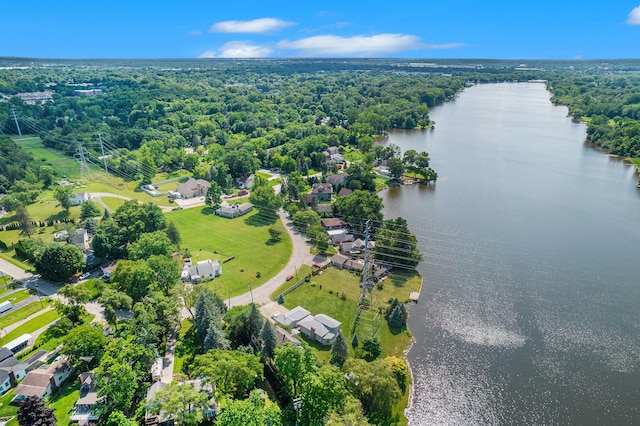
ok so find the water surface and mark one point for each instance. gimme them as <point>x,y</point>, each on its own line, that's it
<point>530,309</point>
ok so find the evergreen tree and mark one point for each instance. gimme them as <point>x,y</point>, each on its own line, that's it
<point>256,320</point>
<point>33,412</point>
<point>397,320</point>
<point>339,350</point>
<point>215,338</point>
<point>173,234</point>
<point>106,214</point>
<point>269,340</point>
<point>24,221</point>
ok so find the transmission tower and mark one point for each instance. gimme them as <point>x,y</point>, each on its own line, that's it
<point>81,156</point>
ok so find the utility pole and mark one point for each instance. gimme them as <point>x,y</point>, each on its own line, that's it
<point>366,271</point>
<point>15,118</point>
<point>80,155</point>
<point>104,159</point>
<point>251,291</point>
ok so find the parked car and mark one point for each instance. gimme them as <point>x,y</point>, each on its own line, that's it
<point>316,265</point>
<point>85,275</point>
<point>289,277</point>
<point>177,208</point>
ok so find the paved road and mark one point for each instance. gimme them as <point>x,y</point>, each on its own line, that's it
<point>300,256</point>
<point>13,270</point>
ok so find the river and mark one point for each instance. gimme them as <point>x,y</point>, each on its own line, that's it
<point>530,309</point>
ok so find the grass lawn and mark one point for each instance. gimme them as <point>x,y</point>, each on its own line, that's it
<point>62,401</point>
<point>30,326</point>
<point>381,183</point>
<point>635,161</point>
<point>16,296</point>
<point>255,257</point>
<point>326,297</point>
<point>112,202</point>
<point>61,163</point>
<point>23,313</point>
<point>8,410</point>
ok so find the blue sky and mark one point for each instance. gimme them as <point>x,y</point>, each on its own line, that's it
<point>545,29</point>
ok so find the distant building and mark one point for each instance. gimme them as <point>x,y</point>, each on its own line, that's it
<point>78,198</point>
<point>88,92</point>
<point>33,98</point>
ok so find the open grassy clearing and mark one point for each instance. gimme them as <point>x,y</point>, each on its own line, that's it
<point>31,326</point>
<point>61,163</point>
<point>23,313</point>
<point>635,161</point>
<point>255,257</point>
<point>16,296</point>
<point>113,203</point>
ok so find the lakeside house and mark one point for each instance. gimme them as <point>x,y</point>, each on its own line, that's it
<point>321,328</point>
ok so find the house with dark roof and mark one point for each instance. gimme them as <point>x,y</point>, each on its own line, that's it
<point>80,238</point>
<point>193,188</point>
<point>322,191</point>
<point>324,209</point>
<point>338,239</point>
<point>5,382</point>
<point>355,246</point>
<point>341,261</point>
<point>333,223</point>
<point>85,409</point>
<point>338,179</point>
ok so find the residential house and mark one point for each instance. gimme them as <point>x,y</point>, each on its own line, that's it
<point>45,380</point>
<point>339,239</point>
<point>338,179</point>
<point>234,210</point>
<point>292,317</point>
<point>16,369</point>
<point>341,261</point>
<point>193,188</point>
<point>155,419</point>
<point>333,223</point>
<point>337,159</point>
<point>85,409</point>
<point>5,382</point>
<point>78,198</point>
<point>332,150</point>
<point>80,238</point>
<point>283,336</point>
<point>245,182</point>
<point>322,191</point>
<point>205,269</point>
<point>321,328</point>
<point>355,247</point>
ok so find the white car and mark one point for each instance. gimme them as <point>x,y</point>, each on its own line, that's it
<point>85,275</point>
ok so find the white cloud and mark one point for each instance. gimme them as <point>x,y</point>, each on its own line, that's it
<point>257,26</point>
<point>634,16</point>
<point>195,32</point>
<point>327,45</point>
<point>238,49</point>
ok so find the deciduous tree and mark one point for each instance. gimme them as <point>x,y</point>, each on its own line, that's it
<point>33,412</point>
<point>233,373</point>
<point>182,403</point>
<point>61,194</point>
<point>59,262</point>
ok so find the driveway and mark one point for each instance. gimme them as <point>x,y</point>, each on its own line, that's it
<point>301,255</point>
<point>14,271</point>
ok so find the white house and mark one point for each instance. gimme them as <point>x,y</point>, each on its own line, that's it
<point>42,382</point>
<point>78,198</point>
<point>245,182</point>
<point>292,317</point>
<point>204,269</point>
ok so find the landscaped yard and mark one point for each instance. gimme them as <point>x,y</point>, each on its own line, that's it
<point>15,297</point>
<point>22,313</point>
<point>185,346</point>
<point>62,402</point>
<point>30,326</point>
<point>323,294</point>
<point>245,242</point>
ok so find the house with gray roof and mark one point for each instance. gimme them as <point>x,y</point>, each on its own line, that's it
<point>78,198</point>
<point>85,409</point>
<point>44,381</point>
<point>338,179</point>
<point>292,317</point>
<point>321,328</point>
<point>193,188</point>
<point>205,269</point>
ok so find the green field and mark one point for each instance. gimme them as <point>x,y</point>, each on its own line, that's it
<point>23,313</point>
<point>62,401</point>
<point>61,163</point>
<point>255,257</point>
<point>31,326</point>
<point>635,161</point>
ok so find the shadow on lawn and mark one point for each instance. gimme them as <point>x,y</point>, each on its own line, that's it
<point>208,211</point>
<point>261,219</point>
<point>58,216</point>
